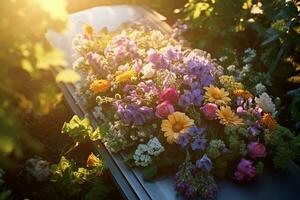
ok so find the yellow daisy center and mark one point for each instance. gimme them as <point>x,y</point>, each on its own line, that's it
<point>177,127</point>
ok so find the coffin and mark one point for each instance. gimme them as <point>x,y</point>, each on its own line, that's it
<point>284,184</point>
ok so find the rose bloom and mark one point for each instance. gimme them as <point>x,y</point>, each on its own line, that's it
<point>209,110</point>
<point>170,95</point>
<point>164,109</point>
<point>256,150</point>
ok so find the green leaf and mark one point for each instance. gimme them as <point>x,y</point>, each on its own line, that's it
<point>149,172</point>
<point>67,76</point>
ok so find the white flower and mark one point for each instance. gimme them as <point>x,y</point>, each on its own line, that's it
<point>265,103</point>
<point>231,68</point>
<point>260,88</point>
<point>148,71</point>
<point>142,155</point>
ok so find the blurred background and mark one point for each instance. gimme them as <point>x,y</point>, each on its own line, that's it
<point>32,109</point>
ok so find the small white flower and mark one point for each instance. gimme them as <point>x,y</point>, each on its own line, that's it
<point>265,103</point>
<point>231,68</point>
<point>148,71</point>
<point>260,88</point>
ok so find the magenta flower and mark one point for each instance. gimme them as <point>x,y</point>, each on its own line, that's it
<point>164,109</point>
<point>171,95</point>
<point>209,110</point>
<point>245,170</point>
<point>256,150</point>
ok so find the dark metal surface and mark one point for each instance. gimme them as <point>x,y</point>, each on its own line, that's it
<point>273,186</point>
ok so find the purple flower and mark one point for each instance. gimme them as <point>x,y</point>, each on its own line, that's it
<point>254,129</point>
<point>132,113</point>
<point>195,131</point>
<point>199,144</point>
<point>157,58</point>
<point>239,100</point>
<point>204,163</point>
<point>245,170</point>
<point>173,53</point>
<point>188,80</point>
<point>183,140</point>
<point>191,97</point>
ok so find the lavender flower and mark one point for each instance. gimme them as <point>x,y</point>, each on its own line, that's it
<point>157,58</point>
<point>195,131</point>
<point>199,144</point>
<point>204,163</point>
<point>191,97</point>
<point>132,113</point>
<point>183,140</point>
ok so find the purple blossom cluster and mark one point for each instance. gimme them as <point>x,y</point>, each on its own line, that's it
<point>190,182</point>
<point>132,113</point>
<point>122,48</point>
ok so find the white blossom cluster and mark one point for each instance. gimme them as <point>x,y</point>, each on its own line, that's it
<point>265,102</point>
<point>250,54</point>
<point>260,88</point>
<point>144,152</point>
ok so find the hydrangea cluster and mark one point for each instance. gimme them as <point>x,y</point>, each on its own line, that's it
<point>141,85</point>
<point>144,152</point>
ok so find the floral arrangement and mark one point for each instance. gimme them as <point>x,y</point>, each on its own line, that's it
<point>166,104</point>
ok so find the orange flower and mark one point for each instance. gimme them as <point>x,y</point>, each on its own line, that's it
<point>268,121</point>
<point>243,93</point>
<point>93,161</point>
<point>88,30</point>
<point>100,86</point>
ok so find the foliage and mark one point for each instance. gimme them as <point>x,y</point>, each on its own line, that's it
<point>4,194</point>
<point>80,130</point>
<point>69,181</point>
<point>226,28</point>
<point>284,146</point>
<point>27,88</point>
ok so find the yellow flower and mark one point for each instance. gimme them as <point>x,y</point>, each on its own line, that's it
<point>88,30</point>
<point>100,86</point>
<point>125,76</point>
<point>228,117</point>
<point>176,125</point>
<point>268,121</point>
<point>243,93</point>
<point>216,95</point>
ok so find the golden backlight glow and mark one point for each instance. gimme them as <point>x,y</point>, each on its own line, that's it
<point>56,8</point>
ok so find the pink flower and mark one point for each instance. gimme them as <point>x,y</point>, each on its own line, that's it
<point>256,150</point>
<point>209,110</point>
<point>164,109</point>
<point>170,95</point>
<point>245,170</point>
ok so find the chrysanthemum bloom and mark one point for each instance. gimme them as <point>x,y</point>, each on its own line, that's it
<point>216,95</point>
<point>125,76</point>
<point>88,30</point>
<point>243,93</point>
<point>268,121</point>
<point>228,117</point>
<point>99,86</point>
<point>176,125</point>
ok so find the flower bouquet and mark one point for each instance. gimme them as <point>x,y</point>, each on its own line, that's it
<point>167,105</point>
